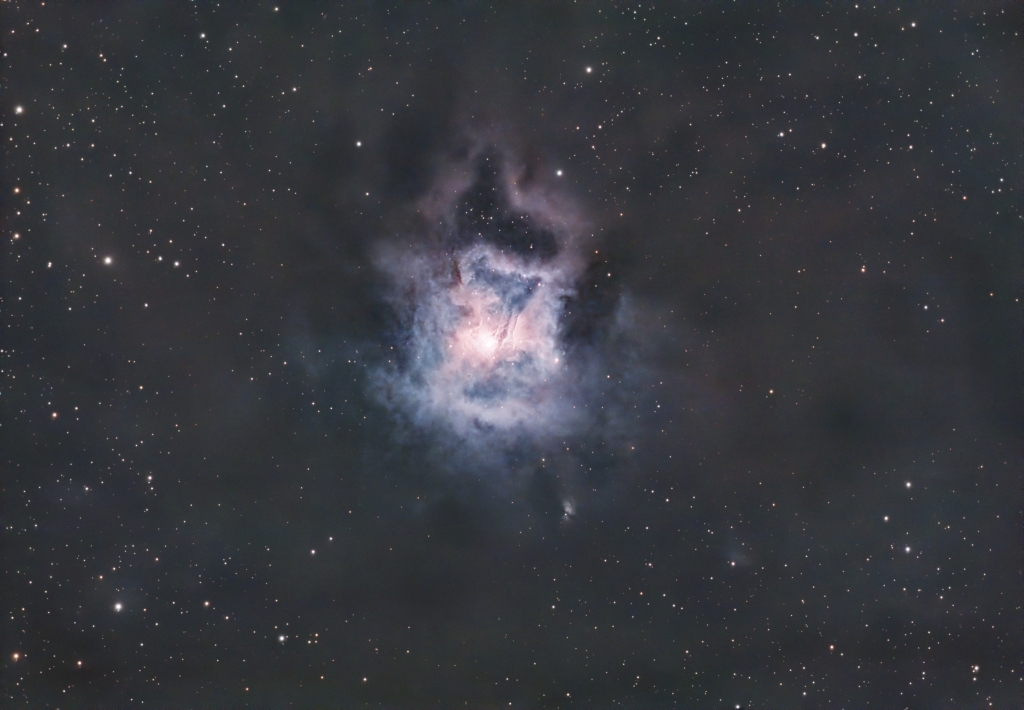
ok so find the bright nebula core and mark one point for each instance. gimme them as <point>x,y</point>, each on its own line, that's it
<point>488,336</point>
<point>501,342</point>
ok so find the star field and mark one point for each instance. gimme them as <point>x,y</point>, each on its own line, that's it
<point>591,355</point>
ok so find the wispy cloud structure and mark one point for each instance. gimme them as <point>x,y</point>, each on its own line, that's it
<point>487,338</point>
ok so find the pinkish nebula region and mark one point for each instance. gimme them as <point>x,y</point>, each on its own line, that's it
<point>495,327</point>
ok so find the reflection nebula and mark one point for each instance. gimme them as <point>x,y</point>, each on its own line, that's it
<point>483,339</point>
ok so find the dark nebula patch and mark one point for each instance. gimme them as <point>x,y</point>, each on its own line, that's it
<point>484,214</point>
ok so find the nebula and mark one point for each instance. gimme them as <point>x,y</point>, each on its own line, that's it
<point>487,341</point>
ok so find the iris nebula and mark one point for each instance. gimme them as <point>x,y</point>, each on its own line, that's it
<point>488,305</point>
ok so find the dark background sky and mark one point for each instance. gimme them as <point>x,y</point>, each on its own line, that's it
<point>812,495</point>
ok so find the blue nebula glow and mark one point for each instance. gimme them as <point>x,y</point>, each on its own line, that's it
<point>499,318</point>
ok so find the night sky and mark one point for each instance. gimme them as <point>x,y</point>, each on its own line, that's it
<point>517,356</point>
